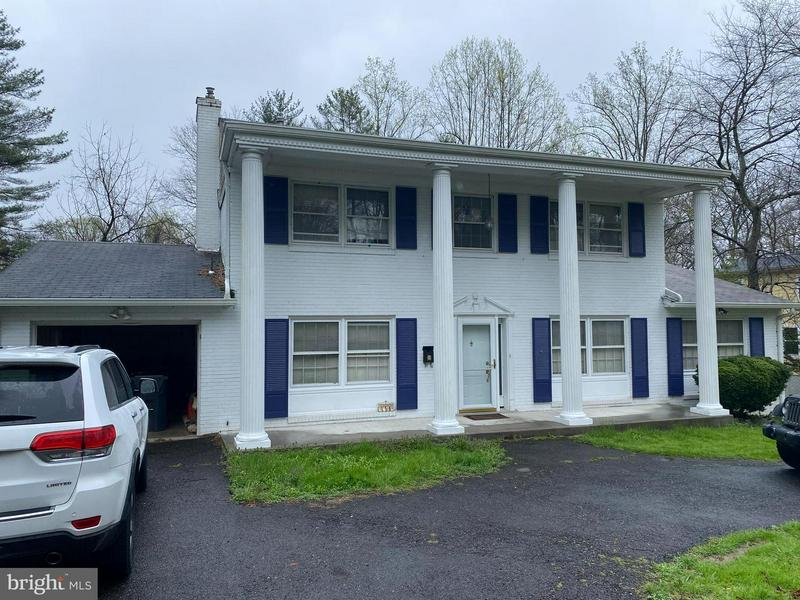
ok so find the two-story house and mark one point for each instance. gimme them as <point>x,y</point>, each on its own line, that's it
<point>345,277</point>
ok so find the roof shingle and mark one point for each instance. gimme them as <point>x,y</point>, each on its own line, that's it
<point>682,281</point>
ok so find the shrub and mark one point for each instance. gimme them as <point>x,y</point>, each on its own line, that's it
<point>749,384</point>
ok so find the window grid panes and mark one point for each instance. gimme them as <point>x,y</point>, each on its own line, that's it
<point>367,351</point>
<point>608,347</point>
<point>730,341</point>
<point>367,216</point>
<point>315,356</point>
<point>554,226</point>
<point>315,213</point>
<point>472,222</point>
<point>555,331</point>
<point>605,228</point>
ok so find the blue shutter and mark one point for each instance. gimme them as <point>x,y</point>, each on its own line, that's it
<point>507,222</point>
<point>405,199</point>
<point>674,356</point>
<point>640,378</point>
<point>756,336</point>
<point>276,210</point>
<point>540,227</point>
<point>276,368</point>
<point>406,344</point>
<point>542,371</point>
<point>636,241</point>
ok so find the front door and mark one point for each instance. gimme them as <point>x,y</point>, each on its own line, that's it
<point>477,366</point>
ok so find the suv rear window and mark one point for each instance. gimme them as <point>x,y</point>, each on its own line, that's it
<point>40,393</point>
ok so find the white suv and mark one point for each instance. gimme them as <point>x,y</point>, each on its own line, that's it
<point>73,436</point>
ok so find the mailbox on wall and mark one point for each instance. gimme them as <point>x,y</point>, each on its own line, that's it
<point>427,355</point>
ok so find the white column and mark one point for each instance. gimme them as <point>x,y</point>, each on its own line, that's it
<point>251,306</point>
<point>706,309</point>
<point>570,313</point>
<point>445,399</point>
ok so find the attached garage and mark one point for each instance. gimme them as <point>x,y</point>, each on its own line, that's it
<point>163,310</point>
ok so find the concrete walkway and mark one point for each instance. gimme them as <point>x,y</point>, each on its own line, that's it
<point>518,424</point>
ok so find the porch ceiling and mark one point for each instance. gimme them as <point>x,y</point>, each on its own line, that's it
<point>287,146</point>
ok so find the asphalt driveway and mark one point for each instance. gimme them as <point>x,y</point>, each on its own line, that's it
<point>565,520</point>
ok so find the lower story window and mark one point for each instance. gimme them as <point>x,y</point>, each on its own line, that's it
<point>604,351</point>
<point>315,356</point>
<point>367,351</point>
<point>359,348</point>
<point>730,341</point>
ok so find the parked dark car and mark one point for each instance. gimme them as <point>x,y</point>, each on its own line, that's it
<point>785,430</point>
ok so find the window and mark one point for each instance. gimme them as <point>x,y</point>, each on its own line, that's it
<point>605,228</point>
<point>315,353</point>
<point>554,227</point>
<point>367,351</point>
<point>315,213</point>
<point>367,216</point>
<point>555,331</point>
<point>109,385</point>
<point>730,341</point>
<point>40,393</point>
<point>472,222</point>
<point>608,347</point>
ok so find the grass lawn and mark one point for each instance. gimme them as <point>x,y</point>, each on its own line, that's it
<point>355,469</point>
<point>738,441</point>
<point>761,563</point>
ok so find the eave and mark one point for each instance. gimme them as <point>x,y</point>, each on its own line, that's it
<point>196,302</point>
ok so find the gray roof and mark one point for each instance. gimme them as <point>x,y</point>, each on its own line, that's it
<point>774,262</point>
<point>81,270</point>
<point>682,281</point>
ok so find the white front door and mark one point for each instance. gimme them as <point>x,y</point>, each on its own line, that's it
<point>477,366</point>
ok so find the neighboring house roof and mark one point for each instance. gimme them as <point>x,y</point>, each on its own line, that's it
<point>99,271</point>
<point>681,281</point>
<point>776,262</point>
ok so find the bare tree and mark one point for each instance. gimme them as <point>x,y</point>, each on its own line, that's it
<point>485,93</point>
<point>113,196</point>
<point>396,108</point>
<point>747,113</point>
<point>637,112</point>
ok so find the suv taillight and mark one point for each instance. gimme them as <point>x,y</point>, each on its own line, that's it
<point>74,443</point>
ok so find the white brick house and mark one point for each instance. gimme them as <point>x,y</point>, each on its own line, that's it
<point>377,278</point>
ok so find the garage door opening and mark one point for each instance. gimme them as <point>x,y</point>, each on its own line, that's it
<point>145,350</point>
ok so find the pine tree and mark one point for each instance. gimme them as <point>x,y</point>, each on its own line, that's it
<point>277,106</point>
<point>343,110</point>
<point>24,146</point>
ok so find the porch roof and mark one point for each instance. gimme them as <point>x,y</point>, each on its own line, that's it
<point>297,144</point>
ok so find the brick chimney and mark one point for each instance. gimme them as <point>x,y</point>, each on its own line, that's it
<point>207,217</point>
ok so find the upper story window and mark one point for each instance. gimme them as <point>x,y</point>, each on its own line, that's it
<point>315,213</point>
<point>367,216</point>
<point>472,222</point>
<point>603,234</point>
<point>605,228</point>
<point>320,215</point>
<point>730,341</point>
<point>554,227</point>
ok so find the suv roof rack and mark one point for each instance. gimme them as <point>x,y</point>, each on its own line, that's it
<point>84,348</point>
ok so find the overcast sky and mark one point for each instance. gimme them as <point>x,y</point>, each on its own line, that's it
<point>137,66</point>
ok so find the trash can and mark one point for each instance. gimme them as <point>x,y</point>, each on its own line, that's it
<point>156,400</point>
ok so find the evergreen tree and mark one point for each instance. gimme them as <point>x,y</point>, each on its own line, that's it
<point>343,110</point>
<point>277,106</point>
<point>24,146</point>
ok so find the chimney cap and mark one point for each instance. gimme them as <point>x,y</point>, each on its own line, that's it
<point>209,92</point>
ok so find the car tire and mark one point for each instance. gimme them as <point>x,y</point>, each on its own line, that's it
<point>141,476</point>
<point>791,456</point>
<point>120,554</point>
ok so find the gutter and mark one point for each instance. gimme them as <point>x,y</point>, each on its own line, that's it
<point>221,302</point>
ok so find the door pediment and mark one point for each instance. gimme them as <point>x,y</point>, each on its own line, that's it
<point>480,305</point>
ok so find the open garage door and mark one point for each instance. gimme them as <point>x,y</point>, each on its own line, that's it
<point>150,350</point>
